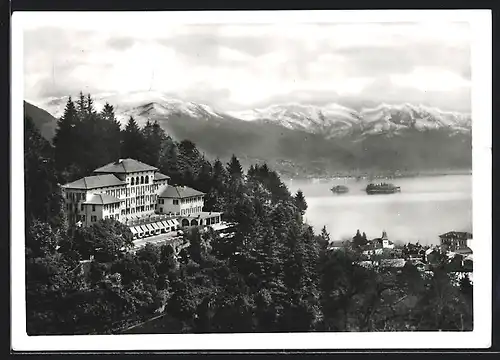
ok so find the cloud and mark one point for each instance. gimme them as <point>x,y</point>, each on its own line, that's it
<point>121,43</point>
<point>239,66</point>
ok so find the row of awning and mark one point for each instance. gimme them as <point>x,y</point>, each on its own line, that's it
<point>156,226</point>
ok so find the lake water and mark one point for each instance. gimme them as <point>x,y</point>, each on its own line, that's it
<point>425,208</point>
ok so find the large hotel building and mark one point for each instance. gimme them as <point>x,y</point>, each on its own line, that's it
<point>138,195</point>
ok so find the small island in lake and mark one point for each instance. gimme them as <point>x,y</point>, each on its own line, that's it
<point>382,188</point>
<point>339,189</point>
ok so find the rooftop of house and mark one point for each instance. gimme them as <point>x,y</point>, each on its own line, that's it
<point>373,245</point>
<point>125,166</point>
<point>180,192</point>
<point>94,182</point>
<point>456,235</point>
<point>160,176</point>
<point>430,251</point>
<point>382,238</point>
<point>395,263</point>
<point>463,251</point>
<point>102,199</point>
<point>418,263</point>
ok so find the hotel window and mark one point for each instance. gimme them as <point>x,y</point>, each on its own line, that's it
<point>147,179</point>
<point>176,202</point>
<point>132,181</point>
<point>93,207</point>
<point>93,218</point>
<point>161,209</point>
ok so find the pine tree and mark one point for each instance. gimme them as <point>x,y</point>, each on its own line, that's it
<point>267,255</point>
<point>220,176</point>
<point>67,141</point>
<point>81,104</point>
<point>112,132</point>
<point>234,168</point>
<point>190,161</point>
<point>154,141</point>
<point>133,141</point>
<point>358,240</point>
<point>300,202</point>
<point>169,162</point>
<point>93,150</point>
<point>90,105</point>
<point>203,181</point>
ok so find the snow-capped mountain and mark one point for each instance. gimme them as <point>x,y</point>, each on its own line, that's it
<point>387,117</point>
<point>334,120</point>
<point>331,120</point>
<point>140,105</point>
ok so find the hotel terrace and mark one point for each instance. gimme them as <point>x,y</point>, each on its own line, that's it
<point>139,196</point>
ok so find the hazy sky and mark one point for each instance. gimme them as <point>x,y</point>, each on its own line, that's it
<point>234,67</point>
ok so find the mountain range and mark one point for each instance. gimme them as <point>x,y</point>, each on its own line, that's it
<point>302,138</point>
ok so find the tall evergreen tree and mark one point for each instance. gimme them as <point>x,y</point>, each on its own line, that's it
<point>112,132</point>
<point>300,202</point>
<point>234,168</point>
<point>93,134</point>
<point>90,105</point>
<point>154,141</point>
<point>67,138</point>
<point>169,161</point>
<point>81,104</point>
<point>133,141</point>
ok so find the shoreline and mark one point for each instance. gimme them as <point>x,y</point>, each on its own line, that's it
<point>382,175</point>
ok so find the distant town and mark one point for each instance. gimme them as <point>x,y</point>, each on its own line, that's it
<point>455,250</point>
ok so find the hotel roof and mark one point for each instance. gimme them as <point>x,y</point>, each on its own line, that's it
<point>160,176</point>
<point>180,192</point>
<point>125,166</point>
<point>96,181</point>
<point>102,199</point>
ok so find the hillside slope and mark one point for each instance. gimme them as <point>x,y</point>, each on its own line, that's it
<point>45,122</point>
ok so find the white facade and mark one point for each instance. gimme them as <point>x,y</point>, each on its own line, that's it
<point>131,190</point>
<point>182,206</point>
<point>386,244</point>
<point>469,244</point>
<point>77,208</point>
<point>139,194</point>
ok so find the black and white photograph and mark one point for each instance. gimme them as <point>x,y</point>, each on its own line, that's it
<point>251,180</point>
